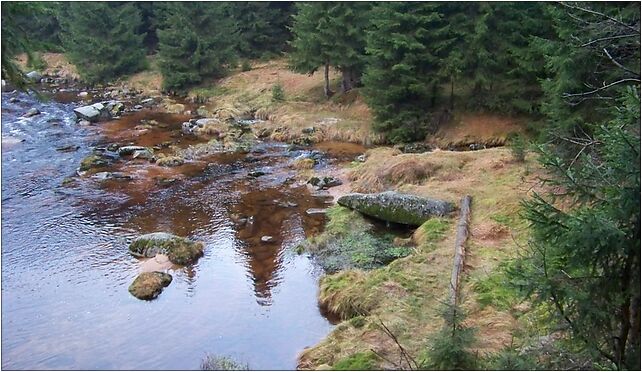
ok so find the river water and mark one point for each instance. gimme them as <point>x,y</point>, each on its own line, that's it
<point>66,266</point>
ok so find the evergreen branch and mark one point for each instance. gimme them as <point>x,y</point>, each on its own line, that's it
<point>618,64</point>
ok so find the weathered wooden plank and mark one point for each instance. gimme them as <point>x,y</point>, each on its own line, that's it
<point>460,247</point>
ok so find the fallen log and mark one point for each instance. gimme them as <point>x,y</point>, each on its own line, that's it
<point>460,248</point>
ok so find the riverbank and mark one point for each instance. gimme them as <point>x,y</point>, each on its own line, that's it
<point>406,294</point>
<point>225,121</point>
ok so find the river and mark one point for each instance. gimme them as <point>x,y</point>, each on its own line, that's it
<point>66,266</point>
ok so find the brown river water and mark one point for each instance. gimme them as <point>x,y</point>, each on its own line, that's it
<point>66,266</point>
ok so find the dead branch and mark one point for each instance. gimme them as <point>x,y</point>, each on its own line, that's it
<point>618,64</point>
<point>460,250</point>
<point>594,12</point>
<point>412,364</point>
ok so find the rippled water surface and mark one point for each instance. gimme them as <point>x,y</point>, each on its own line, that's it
<point>66,267</point>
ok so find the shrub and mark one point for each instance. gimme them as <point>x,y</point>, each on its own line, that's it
<point>518,146</point>
<point>357,362</point>
<point>450,348</point>
<point>246,66</point>
<point>222,363</point>
<point>36,61</point>
<point>278,95</point>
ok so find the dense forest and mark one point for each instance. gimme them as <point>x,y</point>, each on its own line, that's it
<point>573,68</point>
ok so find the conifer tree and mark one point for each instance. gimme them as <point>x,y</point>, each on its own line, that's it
<point>101,39</point>
<point>584,257</point>
<point>263,26</point>
<point>450,348</point>
<point>330,34</point>
<point>404,67</point>
<point>196,40</point>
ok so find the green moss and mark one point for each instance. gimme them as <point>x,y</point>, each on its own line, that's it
<point>211,91</point>
<point>349,242</point>
<point>357,362</point>
<point>342,220</point>
<point>358,321</point>
<point>92,161</point>
<point>179,250</point>
<point>147,286</point>
<point>434,229</point>
<point>185,254</point>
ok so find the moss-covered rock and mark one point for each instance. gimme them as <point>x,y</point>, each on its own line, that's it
<point>170,161</point>
<point>92,161</point>
<point>396,207</point>
<point>180,251</point>
<point>147,286</point>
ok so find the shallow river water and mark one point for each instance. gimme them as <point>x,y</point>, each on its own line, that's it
<point>66,266</point>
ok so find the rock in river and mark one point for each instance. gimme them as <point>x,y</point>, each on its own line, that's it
<point>147,286</point>
<point>180,251</point>
<point>91,113</point>
<point>34,76</point>
<point>129,150</point>
<point>396,207</point>
<point>32,112</point>
<point>92,161</point>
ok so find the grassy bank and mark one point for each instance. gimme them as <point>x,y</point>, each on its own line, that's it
<point>406,295</point>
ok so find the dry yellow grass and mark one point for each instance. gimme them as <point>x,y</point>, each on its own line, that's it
<point>479,128</point>
<point>406,295</point>
<point>249,93</point>
<point>56,64</point>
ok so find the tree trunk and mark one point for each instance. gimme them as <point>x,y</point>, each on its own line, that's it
<point>460,249</point>
<point>326,75</point>
<point>452,92</point>
<point>356,78</point>
<point>347,80</point>
<point>433,96</point>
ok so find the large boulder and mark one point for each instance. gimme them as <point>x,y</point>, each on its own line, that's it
<point>92,113</point>
<point>395,207</point>
<point>34,76</point>
<point>147,286</point>
<point>180,251</point>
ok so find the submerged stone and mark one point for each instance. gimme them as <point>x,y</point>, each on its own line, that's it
<point>180,251</point>
<point>147,286</point>
<point>396,207</point>
<point>92,161</point>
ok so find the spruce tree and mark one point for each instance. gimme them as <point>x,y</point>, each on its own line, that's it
<point>102,39</point>
<point>330,34</point>
<point>450,348</point>
<point>503,74</point>
<point>584,256</point>
<point>196,41</point>
<point>404,67</point>
<point>263,26</point>
<point>577,63</point>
